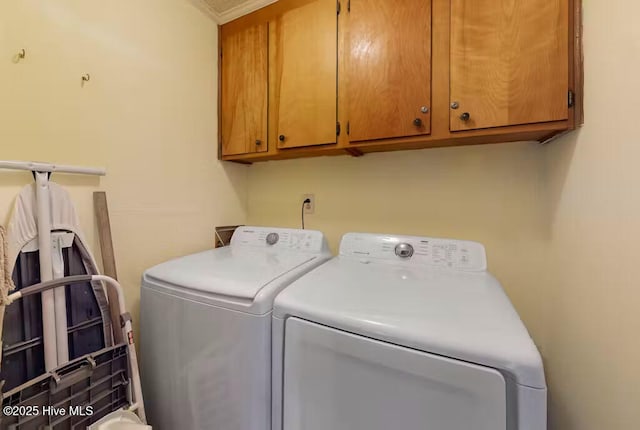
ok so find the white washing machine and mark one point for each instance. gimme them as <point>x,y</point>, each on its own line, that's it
<point>206,329</point>
<point>405,333</point>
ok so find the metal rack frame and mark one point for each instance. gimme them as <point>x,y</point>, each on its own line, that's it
<point>54,307</point>
<point>53,291</point>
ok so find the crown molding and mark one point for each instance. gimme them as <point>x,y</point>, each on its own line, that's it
<point>243,8</point>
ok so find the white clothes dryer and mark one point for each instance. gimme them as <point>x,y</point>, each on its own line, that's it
<point>404,333</point>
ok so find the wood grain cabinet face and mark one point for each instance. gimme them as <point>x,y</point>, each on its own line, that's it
<point>303,75</point>
<point>509,62</point>
<point>244,93</point>
<point>397,74</point>
<point>388,69</point>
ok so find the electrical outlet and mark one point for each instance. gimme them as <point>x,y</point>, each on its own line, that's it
<point>309,208</point>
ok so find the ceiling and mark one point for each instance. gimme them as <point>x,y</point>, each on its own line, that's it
<point>223,11</point>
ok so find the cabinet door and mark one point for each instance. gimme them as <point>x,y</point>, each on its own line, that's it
<point>509,62</point>
<point>244,91</point>
<point>388,55</point>
<point>303,75</point>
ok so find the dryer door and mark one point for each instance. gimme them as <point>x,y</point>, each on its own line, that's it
<point>340,381</point>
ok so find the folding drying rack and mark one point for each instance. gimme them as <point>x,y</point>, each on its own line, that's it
<point>80,377</point>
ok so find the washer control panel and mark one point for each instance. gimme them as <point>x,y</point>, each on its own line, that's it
<point>279,239</point>
<point>415,250</point>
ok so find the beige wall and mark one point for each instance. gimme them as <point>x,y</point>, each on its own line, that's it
<point>148,115</point>
<point>591,328</point>
<point>561,223</point>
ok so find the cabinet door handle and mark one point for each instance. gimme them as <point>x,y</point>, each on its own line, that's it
<point>465,116</point>
<point>281,138</point>
<point>258,142</point>
<point>417,122</point>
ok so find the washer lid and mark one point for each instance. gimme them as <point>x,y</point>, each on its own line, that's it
<point>230,271</point>
<point>456,314</point>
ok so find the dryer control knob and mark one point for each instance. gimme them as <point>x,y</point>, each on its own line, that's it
<point>404,250</point>
<point>272,238</point>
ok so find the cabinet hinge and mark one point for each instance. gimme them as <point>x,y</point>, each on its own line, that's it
<point>338,7</point>
<point>338,128</point>
<point>571,99</point>
<point>348,127</point>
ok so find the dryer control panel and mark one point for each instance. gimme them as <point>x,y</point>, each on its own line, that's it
<point>280,239</point>
<point>415,250</point>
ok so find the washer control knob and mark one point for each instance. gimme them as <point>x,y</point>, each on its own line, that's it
<point>272,238</point>
<point>404,250</point>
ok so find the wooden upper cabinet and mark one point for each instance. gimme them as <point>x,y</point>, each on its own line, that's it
<point>244,80</point>
<point>388,69</point>
<point>509,62</point>
<point>303,75</point>
<point>328,77</point>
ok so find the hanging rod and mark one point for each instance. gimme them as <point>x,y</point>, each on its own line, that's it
<point>47,167</point>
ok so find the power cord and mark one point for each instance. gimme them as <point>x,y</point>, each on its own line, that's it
<point>306,201</point>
